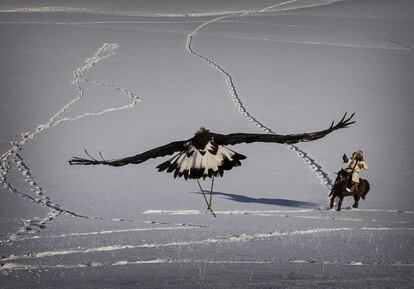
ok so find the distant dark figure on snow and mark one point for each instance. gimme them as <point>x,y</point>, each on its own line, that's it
<point>206,155</point>
<point>348,182</point>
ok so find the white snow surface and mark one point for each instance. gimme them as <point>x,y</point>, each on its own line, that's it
<point>121,77</point>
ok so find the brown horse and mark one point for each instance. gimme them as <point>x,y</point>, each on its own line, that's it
<point>339,189</point>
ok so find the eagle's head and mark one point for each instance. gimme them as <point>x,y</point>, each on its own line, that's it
<point>201,130</point>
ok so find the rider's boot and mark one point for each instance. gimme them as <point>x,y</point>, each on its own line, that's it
<point>350,187</point>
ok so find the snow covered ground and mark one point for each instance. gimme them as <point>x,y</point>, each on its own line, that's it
<point>122,78</point>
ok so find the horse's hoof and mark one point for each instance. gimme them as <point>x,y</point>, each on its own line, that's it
<point>338,209</point>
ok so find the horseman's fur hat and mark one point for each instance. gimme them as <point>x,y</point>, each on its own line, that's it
<point>358,153</point>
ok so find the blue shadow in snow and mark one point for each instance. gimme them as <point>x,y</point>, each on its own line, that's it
<point>266,201</point>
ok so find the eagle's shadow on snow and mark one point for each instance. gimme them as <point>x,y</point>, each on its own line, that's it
<point>266,201</point>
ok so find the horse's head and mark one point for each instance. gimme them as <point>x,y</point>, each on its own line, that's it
<point>342,177</point>
<point>340,182</point>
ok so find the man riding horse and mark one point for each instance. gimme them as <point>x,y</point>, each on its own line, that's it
<point>355,164</point>
<point>348,183</point>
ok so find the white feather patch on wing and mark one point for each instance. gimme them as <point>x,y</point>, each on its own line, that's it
<point>184,162</point>
<point>193,158</point>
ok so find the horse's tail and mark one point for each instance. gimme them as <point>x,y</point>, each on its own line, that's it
<point>367,188</point>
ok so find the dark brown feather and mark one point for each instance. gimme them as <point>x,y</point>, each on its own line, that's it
<point>236,138</point>
<point>161,151</point>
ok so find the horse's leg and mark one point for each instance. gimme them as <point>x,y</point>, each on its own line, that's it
<point>341,198</point>
<point>358,188</point>
<point>332,199</point>
<point>356,198</point>
<point>363,188</point>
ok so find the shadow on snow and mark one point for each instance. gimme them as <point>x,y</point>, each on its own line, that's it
<point>266,201</point>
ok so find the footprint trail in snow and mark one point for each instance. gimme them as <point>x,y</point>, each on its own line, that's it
<point>36,194</point>
<point>310,161</point>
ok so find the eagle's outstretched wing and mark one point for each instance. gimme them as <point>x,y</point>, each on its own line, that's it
<point>235,138</point>
<point>161,151</point>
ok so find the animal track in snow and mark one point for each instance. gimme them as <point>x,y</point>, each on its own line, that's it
<point>135,101</point>
<point>105,232</point>
<point>33,226</point>
<point>23,267</point>
<point>385,44</point>
<point>105,51</point>
<point>29,267</point>
<point>310,161</point>
<point>41,199</point>
<point>230,239</point>
<point>295,214</point>
<point>37,194</point>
